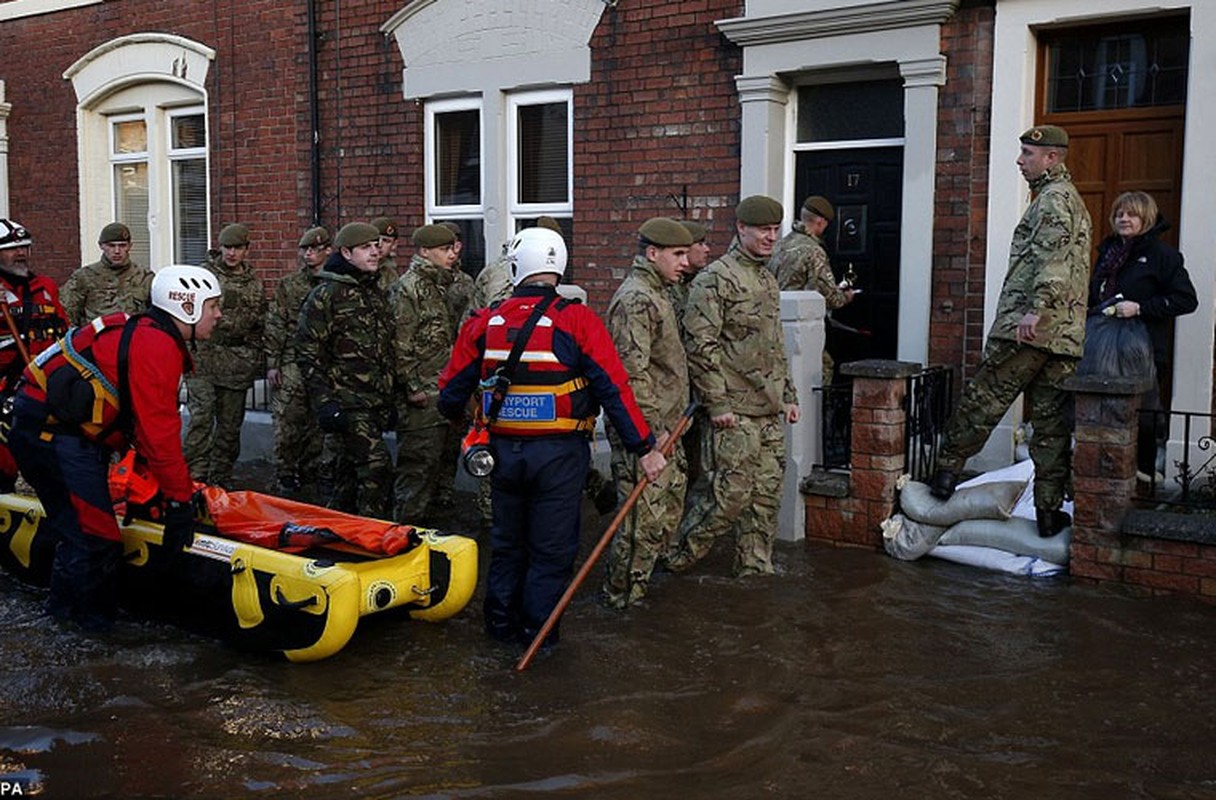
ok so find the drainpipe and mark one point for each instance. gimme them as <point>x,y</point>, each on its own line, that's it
<point>314,113</point>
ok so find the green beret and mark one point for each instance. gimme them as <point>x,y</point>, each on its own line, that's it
<point>454,228</point>
<point>433,236</point>
<point>819,205</point>
<point>114,232</point>
<point>354,234</point>
<point>758,210</point>
<point>664,232</point>
<point>1046,136</point>
<point>550,223</point>
<point>695,229</point>
<point>315,237</point>
<point>385,227</point>
<point>234,235</point>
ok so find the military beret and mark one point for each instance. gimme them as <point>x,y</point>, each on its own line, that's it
<point>546,221</point>
<point>385,227</point>
<point>234,235</point>
<point>433,236</point>
<point>354,234</point>
<point>454,228</point>
<point>758,210</point>
<point>664,232</point>
<point>14,234</point>
<point>1046,136</point>
<point>315,237</point>
<point>696,230</point>
<point>819,205</point>
<point>114,232</point>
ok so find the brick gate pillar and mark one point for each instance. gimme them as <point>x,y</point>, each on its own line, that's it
<point>847,509</point>
<point>1103,471</point>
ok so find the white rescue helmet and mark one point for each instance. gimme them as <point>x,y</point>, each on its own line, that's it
<point>534,251</point>
<point>182,290</point>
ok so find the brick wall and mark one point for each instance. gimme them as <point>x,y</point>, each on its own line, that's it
<point>659,114</point>
<point>956,327</point>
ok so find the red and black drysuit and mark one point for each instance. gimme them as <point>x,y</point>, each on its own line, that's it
<point>68,467</point>
<point>33,303</point>
<point>567,371</point>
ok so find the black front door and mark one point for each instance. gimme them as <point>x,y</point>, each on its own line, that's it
<point>866,187</point>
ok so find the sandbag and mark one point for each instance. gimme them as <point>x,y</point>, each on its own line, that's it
<point>985,501</point>
<point>1117,347</point>
<point>907,539</point>
<point>988,558</point>
<point>1015,535</point>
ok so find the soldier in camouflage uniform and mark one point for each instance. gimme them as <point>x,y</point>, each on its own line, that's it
<point>800,263</point>
<point>738,366</point>
<point>647,337</point>
<point>387,272</point>
<point>297,441</point>
<point>697,440</point>
<point>460,293</point>
<point>343,344</point>
<point>114,283</point>
<point>424,334</point>
<point>1038,334</point>
<point>227,363</point>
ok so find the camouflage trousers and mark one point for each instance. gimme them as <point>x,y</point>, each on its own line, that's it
<point>213,436</point>
<point>426,471</point>
<point>363,449</point>
<point>746,473</point>
<point>648,531</point>
<point>1007,370</point>
<point>297,439</point>
<point>698,451</point>
<point>335,477</point>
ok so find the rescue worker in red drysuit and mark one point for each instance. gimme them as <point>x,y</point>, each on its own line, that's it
<point>33,302</point>
<point>67,464</point>
<point>568,369</point>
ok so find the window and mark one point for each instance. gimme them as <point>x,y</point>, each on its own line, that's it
<point>536,178</point>
<point>129,159</point>
<point>857,110</point>
<point>1109,68</point>
<point>188,165</point>
<point>454,174</point>
<point>540,158</point>
<point>142,105</point>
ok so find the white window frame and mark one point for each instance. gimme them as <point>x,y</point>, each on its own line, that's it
<point>173,154</point>
<point>433,208</point>
<point>515,101</point>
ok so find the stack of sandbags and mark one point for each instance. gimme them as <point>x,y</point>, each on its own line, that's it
<point>980,515</point>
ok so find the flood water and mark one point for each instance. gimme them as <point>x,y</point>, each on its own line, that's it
<point>849,675</point>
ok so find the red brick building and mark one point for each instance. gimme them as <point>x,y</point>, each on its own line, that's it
<point>180,117</point>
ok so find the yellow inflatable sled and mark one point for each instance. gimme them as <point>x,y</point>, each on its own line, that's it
<point>303,600</point>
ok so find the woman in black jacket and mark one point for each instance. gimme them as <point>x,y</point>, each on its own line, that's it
<point>1154,284</point>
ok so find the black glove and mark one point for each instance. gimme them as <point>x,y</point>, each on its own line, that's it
<point>330,418</point>
<point>179,527</point>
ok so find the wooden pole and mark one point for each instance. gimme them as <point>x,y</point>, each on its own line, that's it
<point>601,545</point>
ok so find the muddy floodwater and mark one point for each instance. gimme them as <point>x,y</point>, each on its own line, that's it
<point>849,675</point>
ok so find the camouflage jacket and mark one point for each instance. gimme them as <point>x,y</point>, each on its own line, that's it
<point>102,288</point>
<point>344,339</point>
<point>423,336</point>
<point>234,355</point>
<point>387,274</point>
<point>736,351</point>
<point>1049,267</point>
<point>283,318</point>
<point>460,293</point>
<point>800,264</point>
<point>677,293</point>
<point>646,333</point>
<point>493,284</point>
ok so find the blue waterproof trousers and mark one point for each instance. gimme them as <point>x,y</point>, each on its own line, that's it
<point>536,491</point>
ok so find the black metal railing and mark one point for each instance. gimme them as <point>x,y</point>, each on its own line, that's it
<point>836,423</point>
<point>1191,482</point>
<point>928,404</point>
